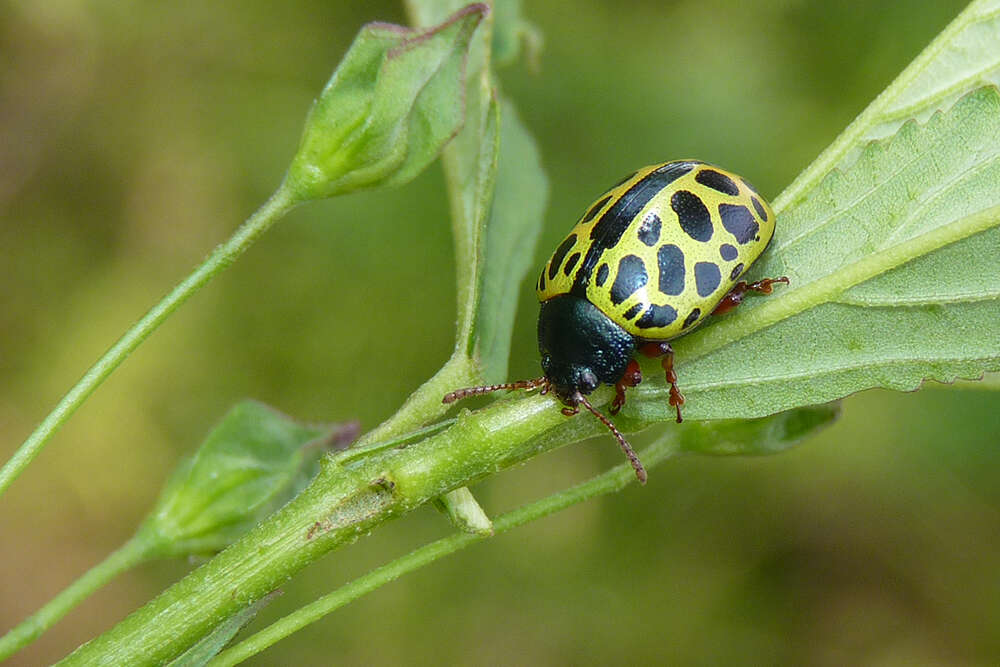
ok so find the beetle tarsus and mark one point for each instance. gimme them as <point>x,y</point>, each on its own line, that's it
<point>740,289</point>
<point>630,378</point>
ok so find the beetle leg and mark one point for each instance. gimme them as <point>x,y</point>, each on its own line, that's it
<point>570,411</point>
<point>676,397</point>
<point>630,378</point>
<point>664,350</point>
<point>735,296</point>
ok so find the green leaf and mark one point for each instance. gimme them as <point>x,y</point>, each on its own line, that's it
<point>392,104</point>
<point>893,280</point>
<point>519,202</point>
<point>470,164</point>
<point>202,652</point>
<point>759,436</point>
<point>465,512</point>
<point>470,167</point>
<point>755,437</point>
<point>989,382</point>
<point>253,462</point>
<point>962,58</point>
<point>498,194</point>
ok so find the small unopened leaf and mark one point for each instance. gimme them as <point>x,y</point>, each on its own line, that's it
<point>202,653</point>
<point>254,461</point>
<point>394,101</point>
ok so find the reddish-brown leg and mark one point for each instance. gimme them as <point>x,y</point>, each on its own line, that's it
<point>735,296</point>
<point>630,378</point>
<point>664,350</point>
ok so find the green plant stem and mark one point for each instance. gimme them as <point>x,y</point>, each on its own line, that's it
<point>138,549</point>
<point>340,505</point>
<point>424,405</point>
<point>725,437</point>
<point>611,481</point>
<point>344,503</point>
<point>224,255</point>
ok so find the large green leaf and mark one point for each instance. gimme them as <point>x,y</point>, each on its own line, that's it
<point>893,268</point>
<point>961,59</point>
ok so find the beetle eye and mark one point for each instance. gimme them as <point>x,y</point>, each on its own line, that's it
<point>588,382</point>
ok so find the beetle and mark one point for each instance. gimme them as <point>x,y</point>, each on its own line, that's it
<point>655,255</point>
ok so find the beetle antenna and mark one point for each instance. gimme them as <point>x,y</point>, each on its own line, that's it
<point>630,454</point>
<point>459,394</point>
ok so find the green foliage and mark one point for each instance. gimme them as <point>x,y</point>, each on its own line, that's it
<point>871,301</point>
<point>202,652</point>
<point>392,104</point>
<point>253,462</point>
<point>890,256</point>
<point>887,248</point>
<point>756,437</point>
<point>962,58</point>
<point>511,234</point>
<point>498,192</point>
<point>464,511</point>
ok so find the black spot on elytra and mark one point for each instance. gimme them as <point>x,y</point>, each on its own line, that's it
<point>589,215</point>
<point>608,230</point>
<point>541,281</point>
<point>761,211</point>
<point>692,215</point>
<point>631,276</point>
<point>670,259</point>
<point>728,252</point>
<point>717,181</point>
<point>602,274</point>
<point>571,262</point>
<point>557,256</point>
<point>649,229</point>
<point>706,277</point>
<point>738,221</point>
<point>657,316</point>
<point>694,315</point>
<point>737,270</point>
<point>632,312</point>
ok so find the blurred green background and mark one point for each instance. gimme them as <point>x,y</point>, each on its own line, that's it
<point>135,137</point>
